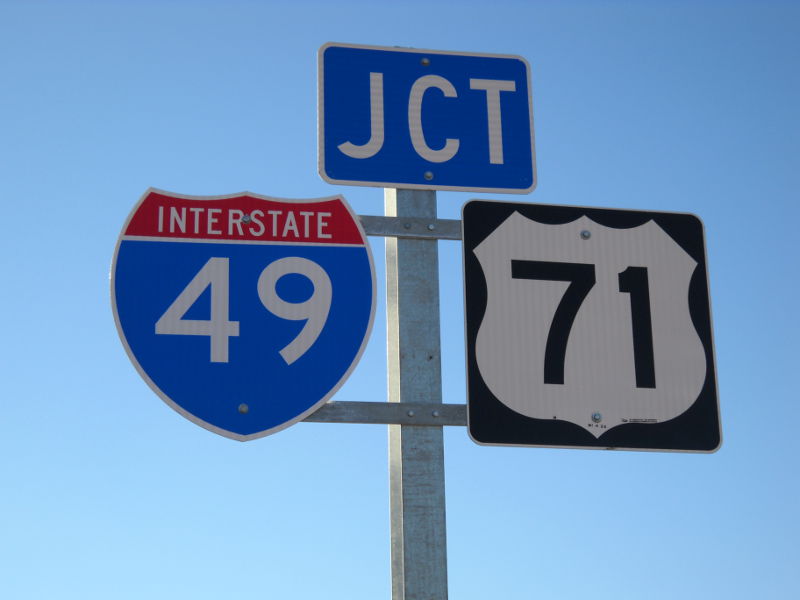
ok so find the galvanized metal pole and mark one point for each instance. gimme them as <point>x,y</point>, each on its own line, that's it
<point>416,453</point>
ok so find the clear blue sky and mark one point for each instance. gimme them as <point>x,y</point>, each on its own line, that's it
<point>108,493</point>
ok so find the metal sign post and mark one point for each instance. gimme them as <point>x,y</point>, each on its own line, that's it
<point>416,454</point>
<point>415,412</point>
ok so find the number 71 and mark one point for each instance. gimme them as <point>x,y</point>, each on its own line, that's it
<point>581,278</point>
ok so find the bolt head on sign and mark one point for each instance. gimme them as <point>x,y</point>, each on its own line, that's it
<point>244,313</point>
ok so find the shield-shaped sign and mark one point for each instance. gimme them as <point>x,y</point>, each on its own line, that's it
<point>588,327</point>
<point>244,313</point>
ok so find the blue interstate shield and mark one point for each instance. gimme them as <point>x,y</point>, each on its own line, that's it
<point>244,313</point>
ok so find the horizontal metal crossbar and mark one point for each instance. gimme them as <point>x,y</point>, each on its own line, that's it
<point>411,227</point>
<point>390,413</point>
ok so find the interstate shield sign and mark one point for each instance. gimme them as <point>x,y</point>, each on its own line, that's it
<point>244,313</point>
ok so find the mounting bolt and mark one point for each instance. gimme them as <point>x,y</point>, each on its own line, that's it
<point>597,417</point>
<point>435,413</point>
<point>246,219</point>
<point>428,175</point>
<point>410,413</point>
<point>586,234</point>
<point>425,61</point>
<point>244,409</point>
<point>431,227</point>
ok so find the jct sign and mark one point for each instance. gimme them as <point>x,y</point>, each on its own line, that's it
<point>424,119</point>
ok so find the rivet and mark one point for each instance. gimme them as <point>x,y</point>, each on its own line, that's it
<point>406,225</point>
<point>597,417</point>
<point>586,234</point>
<point>246,219</point>
<point>410,413</point>
<point>428,175</point>
<point>425,61</point>
<point>431,227</point>
<point>244,409</point>
<point>435,413</point>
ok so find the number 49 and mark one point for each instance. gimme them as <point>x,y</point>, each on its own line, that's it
<point>219,328</point>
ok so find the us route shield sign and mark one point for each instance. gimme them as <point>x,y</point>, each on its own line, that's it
<point>588,327</point>
<point>244,313</point>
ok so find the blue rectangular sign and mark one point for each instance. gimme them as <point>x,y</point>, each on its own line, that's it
<point>424,119</point>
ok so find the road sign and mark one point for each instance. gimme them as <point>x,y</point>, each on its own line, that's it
<point>424,119</point>
<point>588,327</point>
<point>244,313</point>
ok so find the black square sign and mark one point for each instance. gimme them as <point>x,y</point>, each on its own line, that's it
<point>588,327</point>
